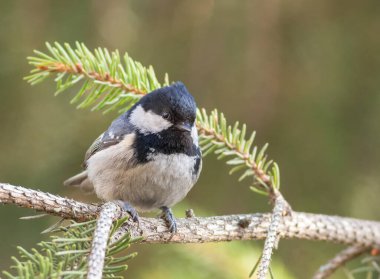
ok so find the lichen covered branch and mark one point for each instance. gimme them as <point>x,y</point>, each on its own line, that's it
<point>272,238</point>
<point>206,229</point>
<point>108,213</point>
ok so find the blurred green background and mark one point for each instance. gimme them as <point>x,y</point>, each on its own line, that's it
<point>304,74</point>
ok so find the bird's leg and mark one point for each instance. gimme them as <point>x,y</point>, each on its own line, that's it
<point>168,216</point>
<point>130,209</point>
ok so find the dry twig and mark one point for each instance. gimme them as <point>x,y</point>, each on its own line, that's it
<point>339,260</point>
<point>108,213</point>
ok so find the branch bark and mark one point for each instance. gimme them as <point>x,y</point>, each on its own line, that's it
<point>339,260</point>
<point>272,236</point>
<point>206,229</point>
<point>107,213</point>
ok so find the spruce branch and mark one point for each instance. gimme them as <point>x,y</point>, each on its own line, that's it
<point>65,255</point>
<point>216,136</point>
<point>108,80</point>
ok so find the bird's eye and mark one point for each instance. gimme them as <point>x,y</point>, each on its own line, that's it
<point>166,115</point>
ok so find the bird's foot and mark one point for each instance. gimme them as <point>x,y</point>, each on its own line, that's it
<point>168,216</point>
<point>130,209</point>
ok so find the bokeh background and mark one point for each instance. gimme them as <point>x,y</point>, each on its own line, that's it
<point>304,74</point>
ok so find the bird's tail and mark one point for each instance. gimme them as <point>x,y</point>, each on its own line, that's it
<point>80,180</point>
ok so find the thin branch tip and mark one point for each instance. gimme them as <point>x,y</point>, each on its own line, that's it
<point>340,260</point>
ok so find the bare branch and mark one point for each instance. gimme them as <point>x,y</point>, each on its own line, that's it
<point>207,229</point>
<point>272,238</point>
<point>339,260</point>
<point>108,212</point>
<point>46,202</point>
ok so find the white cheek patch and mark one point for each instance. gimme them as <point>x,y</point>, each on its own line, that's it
<point>194,135</point>
<point>147,121</point>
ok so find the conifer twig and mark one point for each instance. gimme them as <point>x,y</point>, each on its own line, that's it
<point>218,137</point>
<point>78,70</point>
<point>339,260</point>
<point>108,80</point>
<point>66,254</point>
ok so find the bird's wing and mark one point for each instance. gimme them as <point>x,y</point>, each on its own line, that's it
<point>115,134</point>
<point>99,144</point>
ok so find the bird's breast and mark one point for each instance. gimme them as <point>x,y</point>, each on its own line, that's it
<point>162,180</point>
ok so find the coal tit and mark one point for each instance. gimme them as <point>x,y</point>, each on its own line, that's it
<point>149,157</point>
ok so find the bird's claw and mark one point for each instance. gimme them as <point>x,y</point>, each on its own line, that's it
<point>131,210</point>
<point>168,216</point>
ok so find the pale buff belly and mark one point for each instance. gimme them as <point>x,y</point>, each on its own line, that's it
<point>163,181</point>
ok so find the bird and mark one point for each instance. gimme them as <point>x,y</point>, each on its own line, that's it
<point>149,157</point>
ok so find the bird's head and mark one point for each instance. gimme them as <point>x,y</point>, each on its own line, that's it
<point>170,107</point>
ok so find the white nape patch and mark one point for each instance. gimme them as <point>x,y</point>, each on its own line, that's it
<point>147,121</point>
<point>194,135</point>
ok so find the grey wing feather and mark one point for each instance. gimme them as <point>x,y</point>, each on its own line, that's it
<point>93,148</point>
<point>115,134</point>
<point>100,143</point>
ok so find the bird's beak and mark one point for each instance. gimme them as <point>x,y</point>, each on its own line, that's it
<point>183,126</point>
